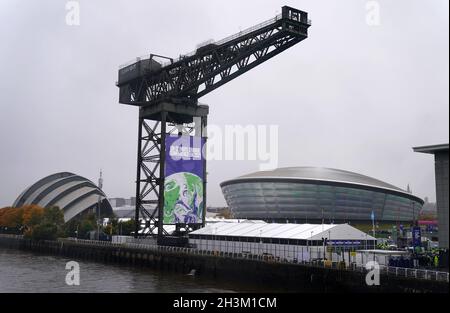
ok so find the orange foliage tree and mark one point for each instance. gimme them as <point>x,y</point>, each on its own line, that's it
<point>26,216</point>
<point>33,221</point>
<point>11,217</point>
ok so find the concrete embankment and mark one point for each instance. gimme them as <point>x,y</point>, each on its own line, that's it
<point>291,277</point>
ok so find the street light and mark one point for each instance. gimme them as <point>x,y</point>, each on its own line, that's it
<point>329,242</point>
<point>215,238</point>
<point>260,241</point>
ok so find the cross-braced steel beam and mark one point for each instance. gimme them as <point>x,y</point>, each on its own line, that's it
<point>150,168</point>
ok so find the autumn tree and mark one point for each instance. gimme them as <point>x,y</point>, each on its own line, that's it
<point>11,217</point>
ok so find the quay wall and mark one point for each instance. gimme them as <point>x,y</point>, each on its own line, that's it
<point>289,276</point>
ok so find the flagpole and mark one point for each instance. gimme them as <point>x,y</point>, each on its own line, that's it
<point>373,228</point>
<point>373,225</point>
<point>322,219</point>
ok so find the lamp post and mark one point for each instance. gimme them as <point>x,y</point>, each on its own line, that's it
<point>214,238</point>
<point>98,220</point>
<point>260,241</point>
<point>329,243</point>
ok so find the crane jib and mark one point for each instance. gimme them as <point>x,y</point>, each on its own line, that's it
<point>146,81</point>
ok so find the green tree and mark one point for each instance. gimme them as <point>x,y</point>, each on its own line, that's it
<point>87,223</point>
<point>54,215</point>
<point>70,228</point>
<point>46,226</point>
<point>126,228</point>
<point>44,231</point>
<point>32,215</point>
<point>114,222</point>
<point>112,227</point>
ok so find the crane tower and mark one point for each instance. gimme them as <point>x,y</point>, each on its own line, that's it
<point>172,122</point>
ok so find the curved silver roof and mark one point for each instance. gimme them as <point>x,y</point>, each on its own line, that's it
<point>319,174</point>
<point>70,192</point>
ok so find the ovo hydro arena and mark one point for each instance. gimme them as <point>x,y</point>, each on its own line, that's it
<point>313,194</point>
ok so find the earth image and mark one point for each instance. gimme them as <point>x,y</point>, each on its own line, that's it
<point>183,198</point>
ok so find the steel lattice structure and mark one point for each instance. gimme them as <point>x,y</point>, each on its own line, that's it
<point>167,94</point>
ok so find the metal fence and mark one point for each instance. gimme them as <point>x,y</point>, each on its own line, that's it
<point>414,273</point>
<point>11,236</point>
<point>386,270</point>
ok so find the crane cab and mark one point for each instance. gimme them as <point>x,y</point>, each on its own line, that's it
<point>137,69</point>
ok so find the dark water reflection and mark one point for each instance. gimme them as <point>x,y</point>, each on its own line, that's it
<point>22,271</point>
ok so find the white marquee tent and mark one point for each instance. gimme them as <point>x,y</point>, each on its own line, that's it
<point>290,241</point>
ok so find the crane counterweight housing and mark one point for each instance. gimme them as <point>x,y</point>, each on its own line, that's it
<point>167,94</point>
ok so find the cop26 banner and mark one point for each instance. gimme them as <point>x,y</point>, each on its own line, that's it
<point>183,188</point>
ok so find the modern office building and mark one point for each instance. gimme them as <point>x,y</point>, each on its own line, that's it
<point>312,194</point>
<point>441,175</point>
<point>70,192</point>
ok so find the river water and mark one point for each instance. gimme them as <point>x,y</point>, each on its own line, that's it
<point>22,271</point>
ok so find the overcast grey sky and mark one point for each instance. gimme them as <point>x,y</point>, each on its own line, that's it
<point>351,96</point>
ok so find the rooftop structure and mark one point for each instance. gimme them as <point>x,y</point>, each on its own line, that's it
<point>441,170</point>
<point>274,231</point>
<point>291,242</point>
<point>302,194</point>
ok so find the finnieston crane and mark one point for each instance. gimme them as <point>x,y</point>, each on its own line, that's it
<point>167,95</point>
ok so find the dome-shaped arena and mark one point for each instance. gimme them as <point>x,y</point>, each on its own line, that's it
<point>308,194</point>
<point>70,192</point>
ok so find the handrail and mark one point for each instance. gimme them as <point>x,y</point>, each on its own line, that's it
<point>414,273</point>
<point>208,42</point>
<point>226,39</point>
<point>220,42</point>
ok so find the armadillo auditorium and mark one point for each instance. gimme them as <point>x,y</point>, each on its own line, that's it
<point>310,194</point>
<point>72,193</point>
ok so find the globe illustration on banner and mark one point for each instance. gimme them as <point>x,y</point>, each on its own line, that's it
<point>183,198</point>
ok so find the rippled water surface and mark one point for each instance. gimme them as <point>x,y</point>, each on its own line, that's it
<point>22,271</point>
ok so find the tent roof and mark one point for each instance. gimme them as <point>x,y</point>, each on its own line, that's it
<point>284,231</point>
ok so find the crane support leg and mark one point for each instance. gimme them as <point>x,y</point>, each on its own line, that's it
<point>155,124</point>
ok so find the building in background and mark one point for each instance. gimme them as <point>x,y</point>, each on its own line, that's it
<point>123,208</point>
<point>311,195</point>
<point>72,193</point>
<point>441,175</point>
